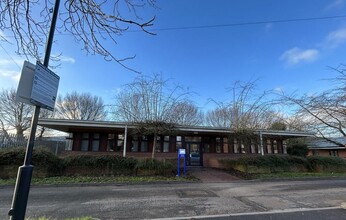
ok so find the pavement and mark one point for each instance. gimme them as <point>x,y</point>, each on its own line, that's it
<point>210,175</point>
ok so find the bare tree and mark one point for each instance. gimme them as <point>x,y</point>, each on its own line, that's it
<point>44,113</point>
<point>91,23</point>
<point>219,117</point>
<point>246,109</point>
<point>14,115</point>
<point>150,103</point>
<point>186,113</point>
<point>324,113</point>
<point>81,106</point>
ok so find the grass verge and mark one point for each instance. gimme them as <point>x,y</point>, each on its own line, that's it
<point>85,179</point>
<point>290,175</point>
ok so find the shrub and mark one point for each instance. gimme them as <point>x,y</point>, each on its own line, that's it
<point>154,167</point>
<point>12,156</point>
<point>327,164</point>
<point>42,159</point>
<point>300,150</point>
<point>101,165</point>
<point>266,164</point>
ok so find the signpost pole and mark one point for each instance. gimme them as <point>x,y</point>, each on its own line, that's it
<point>185,165</point>
<point>22,188</point>
<point>178,164</point>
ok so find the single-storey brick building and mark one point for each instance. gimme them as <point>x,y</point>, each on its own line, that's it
<point>322,147</point>
<point>204,145</point>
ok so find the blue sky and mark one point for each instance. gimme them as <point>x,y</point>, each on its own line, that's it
<point>287,56</point>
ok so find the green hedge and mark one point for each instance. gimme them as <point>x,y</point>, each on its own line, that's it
<point>284,163</point>
<point>47,164</point>
<point>100,165</point>
<point>154,167</point>
<point>327,164</point>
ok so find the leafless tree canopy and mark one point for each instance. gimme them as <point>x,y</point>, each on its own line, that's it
<point>13,115</point>
<point>156,108</point>
<point>323,113</point>
<point>150,99</point>
<point>90,22</point>
<point>82,106</point>
<point>186,113</point>
<point>246,110</point>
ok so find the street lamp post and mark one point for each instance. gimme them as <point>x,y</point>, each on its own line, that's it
<point>22,188</point>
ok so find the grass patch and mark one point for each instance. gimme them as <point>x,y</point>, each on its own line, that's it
<point>45,218</point>
<point>85,179</point>
<point>289,175</point>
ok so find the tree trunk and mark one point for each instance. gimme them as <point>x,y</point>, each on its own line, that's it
<point>154,147</point>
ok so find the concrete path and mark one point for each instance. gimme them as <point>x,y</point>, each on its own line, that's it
<point>210,175</point>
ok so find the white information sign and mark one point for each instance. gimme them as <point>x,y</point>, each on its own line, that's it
<point>38,86</point>
<point>25,83</point>
<point>182,151</point>
<point>44,87</point>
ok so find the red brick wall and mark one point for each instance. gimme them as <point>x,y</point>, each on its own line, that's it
<point>325,153</point>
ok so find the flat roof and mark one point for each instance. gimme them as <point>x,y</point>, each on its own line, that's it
<point>67,125</point>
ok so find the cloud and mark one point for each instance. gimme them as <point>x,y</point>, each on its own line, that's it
<point>336,38</point>
<point>296,55</point>
<point>11,62</point>
<point>67,59</point>
<point>336,4</point>
<point>10,74</point>
<point>10,70</point>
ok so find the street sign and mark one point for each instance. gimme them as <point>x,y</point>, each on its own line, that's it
<point>182,155</point>
<point>45,87</point>
<point>38,86</point>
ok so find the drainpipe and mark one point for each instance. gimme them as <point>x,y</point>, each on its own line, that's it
<point>125,142</point>
<point>261,143</point>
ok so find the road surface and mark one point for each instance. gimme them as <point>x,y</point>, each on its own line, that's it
<point>234,200</point>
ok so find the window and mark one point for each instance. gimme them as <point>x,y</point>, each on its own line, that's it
<point>206,148</point>
<point>96,142</point>
<point>334,153</point>
<point>111,142</point>
<point>144,144</point>
<point>218,145</point>
<point>253,147</point>
<point>69,142</point>
<point>269,146</point>
<point>158,144</point>
<point>275,146</point>
<point>178,143</point>
<point>134,144</point>
<point>85,142</point>
<point>166,144</point>
<point>120,142</point>
<point>206,145</point>
<point>225,145</point>
<point>284,146</point>
<point>259,148</point>
<point>243,151</point>
<point>236,146</point>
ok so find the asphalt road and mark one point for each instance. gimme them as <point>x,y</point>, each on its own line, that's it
<point>250,200</point>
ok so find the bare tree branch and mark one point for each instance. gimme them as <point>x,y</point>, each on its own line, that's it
<point>92,23</point>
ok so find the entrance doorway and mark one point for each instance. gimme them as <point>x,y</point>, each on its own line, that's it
<point>194,157</point>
